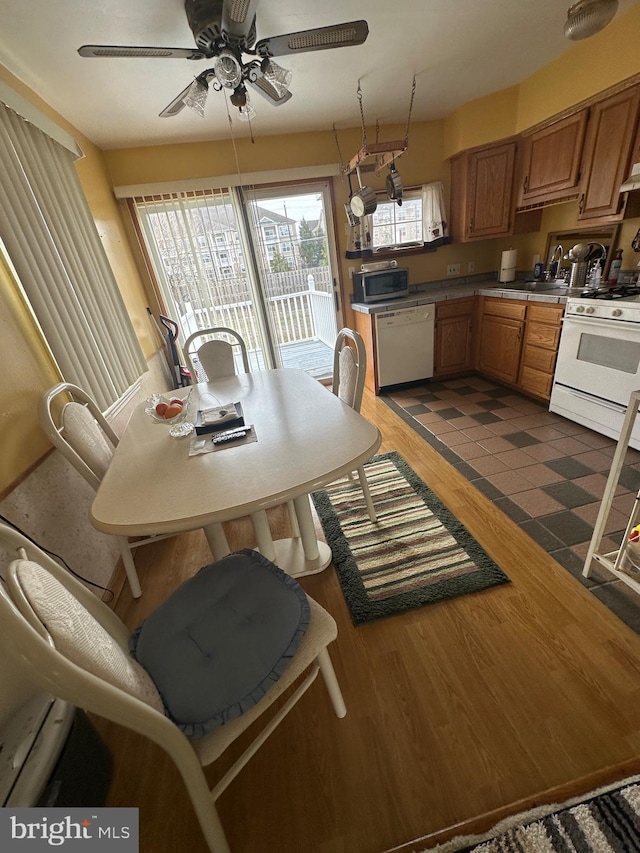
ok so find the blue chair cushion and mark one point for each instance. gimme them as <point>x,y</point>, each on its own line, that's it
<point>218,643</point>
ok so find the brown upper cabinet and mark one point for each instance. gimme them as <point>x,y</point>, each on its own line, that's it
<point>481,191</point>
<point>549,160</point>
<point>607,155</point>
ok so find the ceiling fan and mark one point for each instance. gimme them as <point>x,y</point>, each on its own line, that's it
<point>225,31</point>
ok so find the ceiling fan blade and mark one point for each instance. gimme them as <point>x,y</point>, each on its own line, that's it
<point>109,50</point>
<point>176,105</point>
<point>238,17</point>
<point>321,38</point>
<point>264,88</point>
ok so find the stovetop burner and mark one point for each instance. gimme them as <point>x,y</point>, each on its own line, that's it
<point>619,291</point>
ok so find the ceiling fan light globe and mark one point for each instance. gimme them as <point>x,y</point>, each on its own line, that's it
<point>227,69</point>
<point>247,112</point>
<point>279,77</point>
<point>196,97</point>
<point>587,17</point>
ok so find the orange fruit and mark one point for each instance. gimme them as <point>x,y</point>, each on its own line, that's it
<point>177,401</point>
<point>172,410</point>
<point>161,409</point>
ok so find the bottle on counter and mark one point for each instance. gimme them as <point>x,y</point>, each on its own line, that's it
<point>595,275</point>
<point>614,269</point>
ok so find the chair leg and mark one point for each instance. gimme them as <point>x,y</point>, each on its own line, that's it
<point>129,567</point>
<point>367,495</point>
<point>333,688</point>
<point>203,802</point>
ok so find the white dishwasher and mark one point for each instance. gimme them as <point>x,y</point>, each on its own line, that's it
<point>404,344</point>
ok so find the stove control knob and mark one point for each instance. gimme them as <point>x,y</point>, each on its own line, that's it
<point>579,309</point>
<point>591,310</point>
<point>617,312</point>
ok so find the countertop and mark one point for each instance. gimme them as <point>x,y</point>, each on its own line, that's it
<point>425,294</point>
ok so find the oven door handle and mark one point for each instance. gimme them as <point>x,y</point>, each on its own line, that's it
<point>607,404</point>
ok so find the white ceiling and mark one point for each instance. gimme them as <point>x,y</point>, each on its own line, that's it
<point>458,49</point>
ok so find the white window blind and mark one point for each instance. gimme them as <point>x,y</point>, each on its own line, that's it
<point>51,238</point>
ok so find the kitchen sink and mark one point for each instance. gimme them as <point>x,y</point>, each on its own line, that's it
<point>536,286</point>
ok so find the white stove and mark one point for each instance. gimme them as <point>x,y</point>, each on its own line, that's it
<point>599,360</point>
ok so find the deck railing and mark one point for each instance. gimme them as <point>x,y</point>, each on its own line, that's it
<point>295,317</point>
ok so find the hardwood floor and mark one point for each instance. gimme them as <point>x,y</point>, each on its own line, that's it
<point>454,711</point>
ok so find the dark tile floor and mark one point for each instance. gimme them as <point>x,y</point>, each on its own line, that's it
<point>545,472</point>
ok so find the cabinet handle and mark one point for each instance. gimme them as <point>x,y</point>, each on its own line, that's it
<point>471,224</point>
<point>525,185</point>
<point>581,204</point>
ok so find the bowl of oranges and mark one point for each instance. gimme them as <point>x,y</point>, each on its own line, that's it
<point>172,411</point>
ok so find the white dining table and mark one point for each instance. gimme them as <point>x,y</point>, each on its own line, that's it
<point>306,438</point>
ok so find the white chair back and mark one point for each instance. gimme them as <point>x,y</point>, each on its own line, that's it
<point>215,357</point>
<point>80,432</point>
<point>349,367</point>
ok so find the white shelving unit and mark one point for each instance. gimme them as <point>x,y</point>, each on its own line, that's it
<point>616,561</point>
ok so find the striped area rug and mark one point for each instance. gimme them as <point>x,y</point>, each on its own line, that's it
<point>606,821</point>
<point>417,553</point>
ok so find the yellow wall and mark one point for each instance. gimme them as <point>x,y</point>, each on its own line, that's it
<point>27,371</point>
<point>480,121</point>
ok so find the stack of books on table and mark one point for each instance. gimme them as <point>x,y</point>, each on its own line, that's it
<point>219,418</point>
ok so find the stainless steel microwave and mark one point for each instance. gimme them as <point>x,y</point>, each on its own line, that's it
<point>380,285</point>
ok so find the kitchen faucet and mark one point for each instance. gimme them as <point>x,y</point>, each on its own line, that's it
<point>554,263</point>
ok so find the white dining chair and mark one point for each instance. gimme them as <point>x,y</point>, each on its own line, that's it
<point>349,369</point>
<point>215,357</point>
<point>71,644</point>
<point>77,428</point>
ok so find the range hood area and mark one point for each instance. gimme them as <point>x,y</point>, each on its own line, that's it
<point>633,181</point>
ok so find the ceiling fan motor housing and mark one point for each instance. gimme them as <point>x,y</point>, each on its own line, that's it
<point>205,18</point>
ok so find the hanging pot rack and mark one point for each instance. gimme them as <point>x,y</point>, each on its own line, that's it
<point>382,153</point>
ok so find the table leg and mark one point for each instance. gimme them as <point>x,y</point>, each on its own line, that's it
<point>263,535</point>
<point>217,540</point>
<point>303,554</point>
<point>307,529</point>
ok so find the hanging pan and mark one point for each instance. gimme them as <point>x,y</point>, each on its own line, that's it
<point>364,201</point>
<point>352,219</point>
<point>394,183</point>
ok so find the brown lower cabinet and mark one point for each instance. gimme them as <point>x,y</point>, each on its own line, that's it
<point>512,340</point>
<point>518,343</point>
<point>455,323</point>
<point>540,348</point>
<point>501,333</point>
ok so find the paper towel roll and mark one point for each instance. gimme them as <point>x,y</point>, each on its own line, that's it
<point>508,265</point>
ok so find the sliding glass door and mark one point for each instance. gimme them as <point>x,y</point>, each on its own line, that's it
<point>291,230</point>
<point>255,260</point>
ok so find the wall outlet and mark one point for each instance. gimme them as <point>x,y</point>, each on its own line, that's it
<point>471,266</point>
<point>351,271</point>
<point>453,269</point>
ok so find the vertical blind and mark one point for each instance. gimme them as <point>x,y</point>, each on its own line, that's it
<point>51,238</point>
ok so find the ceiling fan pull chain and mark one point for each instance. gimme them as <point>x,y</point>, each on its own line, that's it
<point>413,91</point>
<point>364,132</point>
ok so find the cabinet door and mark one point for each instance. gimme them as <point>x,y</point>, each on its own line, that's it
<point>607,154</point>
<point>453,346</point>
<point>500,344</point>
<point>549,160</point>
<point>454,330</point>
<point>490,192</point>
